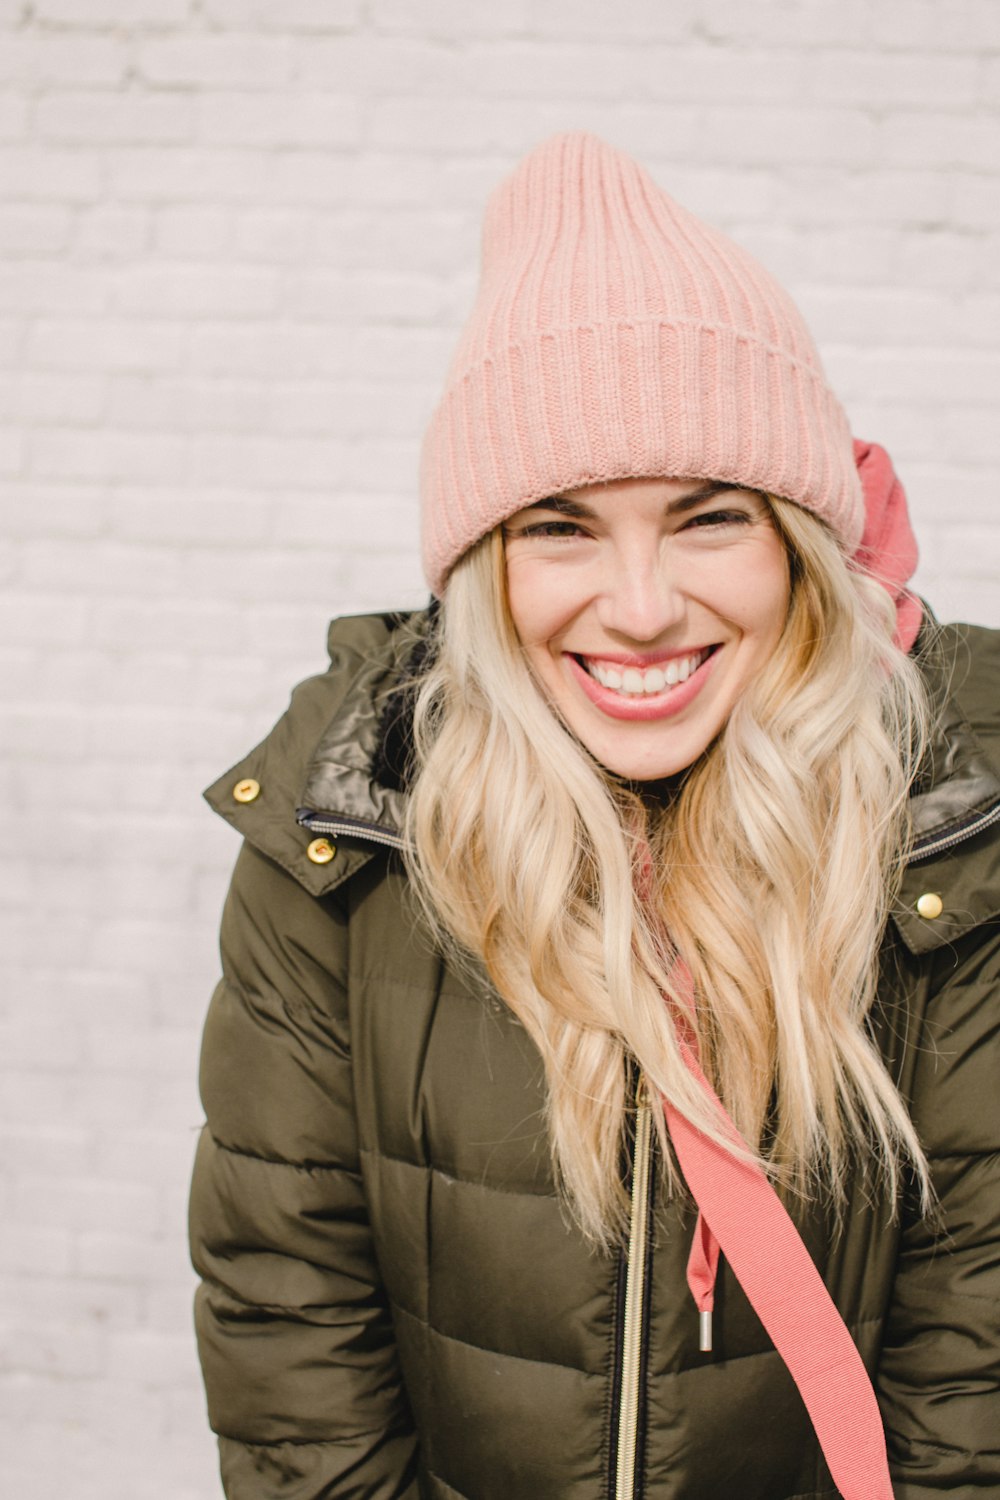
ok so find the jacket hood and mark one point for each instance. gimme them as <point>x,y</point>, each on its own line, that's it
<point>335,766</point>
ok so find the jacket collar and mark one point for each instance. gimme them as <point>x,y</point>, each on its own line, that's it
<point>955,809</point>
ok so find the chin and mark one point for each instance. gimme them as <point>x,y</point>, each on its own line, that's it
<point>643,768</point>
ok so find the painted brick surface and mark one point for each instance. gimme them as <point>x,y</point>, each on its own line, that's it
<point>237,240</point>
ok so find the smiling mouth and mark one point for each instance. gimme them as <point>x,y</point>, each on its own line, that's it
<point>639,682</point>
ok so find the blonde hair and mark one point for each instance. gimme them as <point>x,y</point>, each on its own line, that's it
<point>772,873</point>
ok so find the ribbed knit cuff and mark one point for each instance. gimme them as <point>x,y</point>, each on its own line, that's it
<point>522,425</point>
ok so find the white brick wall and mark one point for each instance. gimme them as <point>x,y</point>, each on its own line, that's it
<point>236,241</point>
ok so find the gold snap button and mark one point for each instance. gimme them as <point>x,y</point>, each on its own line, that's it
<point>930,905</point>
<point>246,791</point>
<point>321,851</point>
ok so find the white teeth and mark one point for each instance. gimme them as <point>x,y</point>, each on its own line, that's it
<point>635,682</point>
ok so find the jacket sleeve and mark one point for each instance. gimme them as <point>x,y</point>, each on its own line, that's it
<point>294,1332</point>
<point>939,1377</point>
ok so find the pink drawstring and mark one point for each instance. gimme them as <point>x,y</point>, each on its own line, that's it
<point>739,1211</point>
<point>702,1268</point>
<point>703,1261</point>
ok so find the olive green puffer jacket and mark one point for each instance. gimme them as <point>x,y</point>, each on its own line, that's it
<point>392,1303</point>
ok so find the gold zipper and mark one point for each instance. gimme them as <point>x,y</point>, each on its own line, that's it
<point>635,1294</point>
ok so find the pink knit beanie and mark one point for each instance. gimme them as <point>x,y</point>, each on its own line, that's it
<point>614,336</point>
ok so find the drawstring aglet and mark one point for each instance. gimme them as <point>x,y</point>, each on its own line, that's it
<point>705,1330</point>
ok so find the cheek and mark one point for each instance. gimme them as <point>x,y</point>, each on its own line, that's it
<point>761,597</point>
<point>519,602</point>
<point>538,602</point>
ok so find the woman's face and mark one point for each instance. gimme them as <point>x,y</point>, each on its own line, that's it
<point>645,607</point>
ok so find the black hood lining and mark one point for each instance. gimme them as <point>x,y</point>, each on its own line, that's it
<point>392,765</point>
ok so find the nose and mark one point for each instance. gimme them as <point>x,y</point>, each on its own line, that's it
<point>643,598</point>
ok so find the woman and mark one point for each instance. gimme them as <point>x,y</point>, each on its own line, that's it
<point>601,1091</point>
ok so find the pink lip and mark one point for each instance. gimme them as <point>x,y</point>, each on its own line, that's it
<point>645,659</point>
<point>673,700</point>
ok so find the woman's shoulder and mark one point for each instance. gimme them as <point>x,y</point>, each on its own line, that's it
<point>317,766</point>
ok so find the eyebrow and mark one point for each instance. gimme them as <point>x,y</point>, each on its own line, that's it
<point>576,510</point>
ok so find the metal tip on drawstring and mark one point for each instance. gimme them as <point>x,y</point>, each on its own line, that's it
<point>705,1331</point>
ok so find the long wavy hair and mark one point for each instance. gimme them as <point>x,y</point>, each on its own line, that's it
<point>771,870</point>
